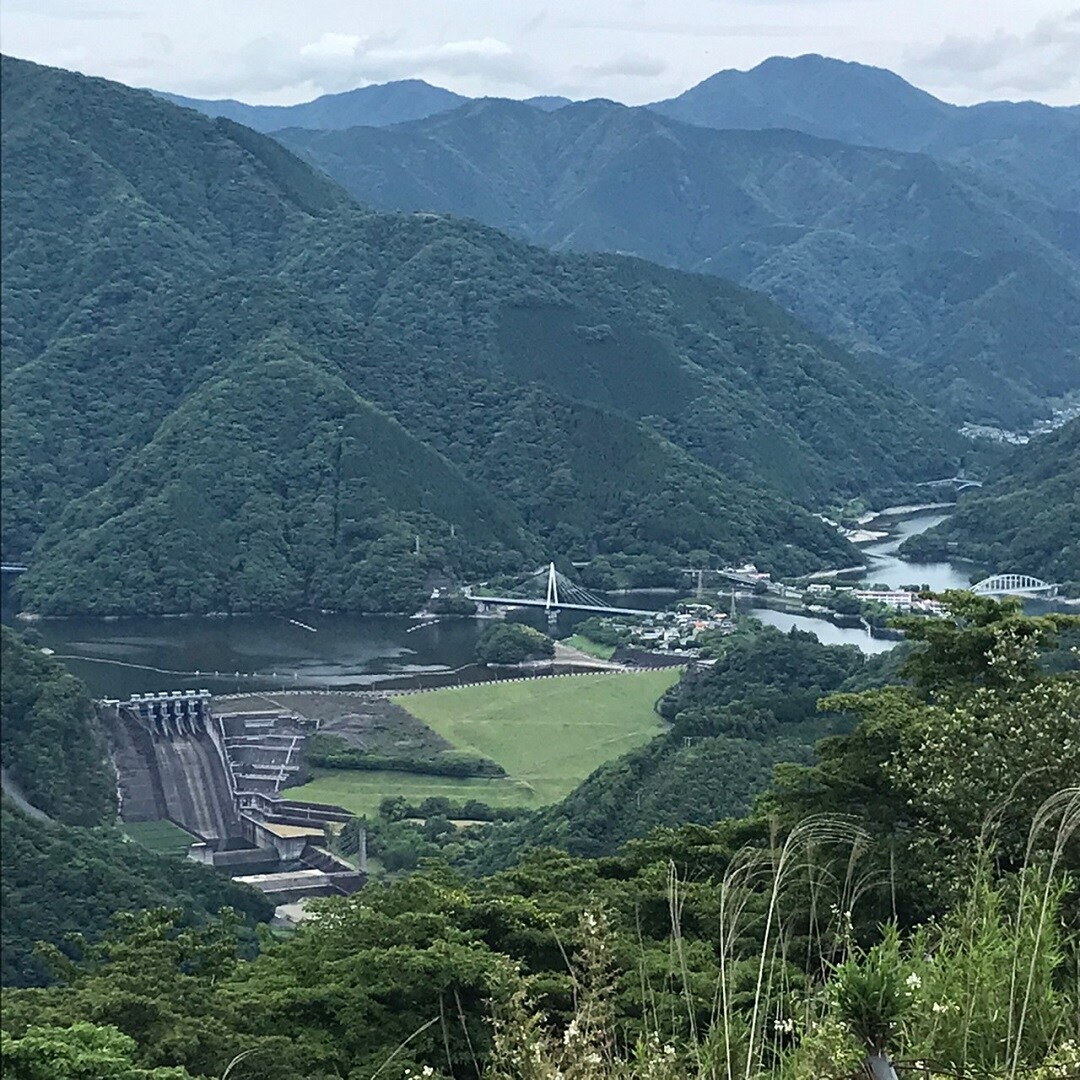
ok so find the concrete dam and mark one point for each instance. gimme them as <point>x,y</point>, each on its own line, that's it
<point>169,766</point>
<point>220,777</point>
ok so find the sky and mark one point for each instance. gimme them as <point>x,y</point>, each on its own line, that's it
<point>284,51</point>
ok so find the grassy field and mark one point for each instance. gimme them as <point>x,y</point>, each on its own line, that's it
<point>587,645</point>
<point>362,791</point>
<point>548,734</point>
<point>161,836</point>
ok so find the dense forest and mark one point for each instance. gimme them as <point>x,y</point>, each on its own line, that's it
<point>1027,521</point>
<point>965,288</point>
<point>573,405</point>
<point>51,745</point>
<point>71,875</point>
<point>911,896</point>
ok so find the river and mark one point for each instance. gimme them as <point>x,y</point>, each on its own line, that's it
<point>117,657</point>
<point>886,568</point>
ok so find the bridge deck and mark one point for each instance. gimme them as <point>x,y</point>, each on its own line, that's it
<point>514,601</point>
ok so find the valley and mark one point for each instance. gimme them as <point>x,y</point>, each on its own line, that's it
<point>530,587</point>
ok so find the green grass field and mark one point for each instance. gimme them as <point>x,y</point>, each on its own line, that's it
<point>587,645</point>
<point>361,792</point>
<point>161,836</point>
<point>548,734</point>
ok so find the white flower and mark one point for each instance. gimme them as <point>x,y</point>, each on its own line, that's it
<point>913,982</point>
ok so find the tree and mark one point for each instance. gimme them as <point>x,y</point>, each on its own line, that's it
<point>82,1051</point>
<point>512,643</point>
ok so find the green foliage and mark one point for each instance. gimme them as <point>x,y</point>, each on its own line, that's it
<point>330,751</point>
<point>870,995</point>
<point>249,394</point>
<point>57,881</point>
<point>511,643</point>
<point>1026,522</point>
<point>80,1052</point>
<point>759,685</point>
<point>50,740</point>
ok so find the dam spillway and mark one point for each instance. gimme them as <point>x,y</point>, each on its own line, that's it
<point>195,787</point>
<point>169,766</point>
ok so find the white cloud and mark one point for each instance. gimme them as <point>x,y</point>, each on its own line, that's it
<point>1002,63</point>
<point>628,65</point>
<point>281,51</point>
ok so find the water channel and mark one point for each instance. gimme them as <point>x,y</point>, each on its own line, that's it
<point>117,657</point>
<point>886,568</point>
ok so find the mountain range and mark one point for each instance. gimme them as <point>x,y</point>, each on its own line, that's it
<point>228,387</point>
<point>965,289</point>
<point>942,240</point>
<point>1035,145</point>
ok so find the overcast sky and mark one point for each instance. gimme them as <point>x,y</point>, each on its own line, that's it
<point>284,51</point>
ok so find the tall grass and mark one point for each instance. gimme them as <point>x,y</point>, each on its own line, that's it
<point>989,992</point>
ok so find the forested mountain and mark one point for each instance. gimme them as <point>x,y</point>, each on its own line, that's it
<point>970,287</point>
<point>1034,146</point>
<point>165,276</point>
<point>1027,521</point>
<point>385,103</point>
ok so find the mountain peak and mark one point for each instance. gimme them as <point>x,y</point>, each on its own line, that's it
<point>836,99</point>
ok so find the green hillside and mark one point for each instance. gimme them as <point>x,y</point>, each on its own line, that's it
<point>1026,522</point>
<point>72,874</point>
<point>580,405</point>
<point>271,486</point>
<point>968,289</point>
<point>51,746</point>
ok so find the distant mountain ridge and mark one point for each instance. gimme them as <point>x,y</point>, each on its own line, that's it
<point>230,388</point>
<point>972,287</point>
<point>1037,147</point>
<point>377,105</point>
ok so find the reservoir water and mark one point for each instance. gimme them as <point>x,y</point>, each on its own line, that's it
<point>886,568</point>
<point>117,657</point>
<point>890,569</point>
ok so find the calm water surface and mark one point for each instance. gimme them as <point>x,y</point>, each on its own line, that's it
<point>117,657</point>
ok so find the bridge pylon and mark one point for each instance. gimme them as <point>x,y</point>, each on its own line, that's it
<point>551,601</point>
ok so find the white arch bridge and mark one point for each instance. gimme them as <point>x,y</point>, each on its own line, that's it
<point>1014,585</point>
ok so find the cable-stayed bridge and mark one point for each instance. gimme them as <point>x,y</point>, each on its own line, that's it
<point>561,594</point>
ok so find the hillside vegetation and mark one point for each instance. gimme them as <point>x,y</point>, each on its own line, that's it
<point>51,744</point>
<point>863,914</point>
<point>583,405</point>
<point>1026,522</point>
<point>71,875</point>
<point>966,288</point>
